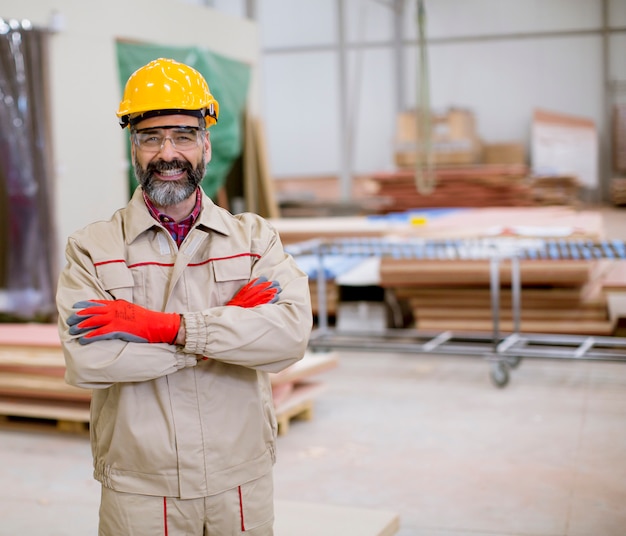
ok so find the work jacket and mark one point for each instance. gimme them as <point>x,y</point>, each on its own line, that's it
<point>164,421</point>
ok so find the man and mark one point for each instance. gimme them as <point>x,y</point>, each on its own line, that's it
<point>174,312</point>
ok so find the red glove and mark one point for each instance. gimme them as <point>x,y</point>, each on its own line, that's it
<point>119,319</point>
<point>257,292</point>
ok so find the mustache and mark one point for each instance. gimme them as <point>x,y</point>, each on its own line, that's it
<point>161,165</point>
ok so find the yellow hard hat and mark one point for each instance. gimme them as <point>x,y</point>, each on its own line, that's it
<point>165,86</point>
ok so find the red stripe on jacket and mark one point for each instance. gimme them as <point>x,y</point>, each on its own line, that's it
<point>154,263</point>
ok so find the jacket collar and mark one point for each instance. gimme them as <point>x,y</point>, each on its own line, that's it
<point>137,217</point>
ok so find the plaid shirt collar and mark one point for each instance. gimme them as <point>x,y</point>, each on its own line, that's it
<point>178,230</point>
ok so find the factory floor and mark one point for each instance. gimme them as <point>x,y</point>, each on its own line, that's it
<point>426,437</point>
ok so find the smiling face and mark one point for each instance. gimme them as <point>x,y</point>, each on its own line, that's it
<point>169,173</point>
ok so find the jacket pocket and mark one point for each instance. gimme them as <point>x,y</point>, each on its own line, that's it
<point>256,503</point>
<point>230,275</point>
<point>117,280</point>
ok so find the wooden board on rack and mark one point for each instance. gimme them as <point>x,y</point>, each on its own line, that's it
<point>549,298</point>
<point>426,272</point>
<point>601,328</point>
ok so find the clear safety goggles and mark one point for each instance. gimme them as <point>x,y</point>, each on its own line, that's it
<point>182,138</point>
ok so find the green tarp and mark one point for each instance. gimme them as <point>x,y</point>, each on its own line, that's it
<point>228,81</point>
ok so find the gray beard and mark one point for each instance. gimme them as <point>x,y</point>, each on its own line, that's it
<point>168,193</point>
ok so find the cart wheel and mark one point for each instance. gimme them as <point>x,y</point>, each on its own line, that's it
<point>499,373</point>
<point>513,361</point>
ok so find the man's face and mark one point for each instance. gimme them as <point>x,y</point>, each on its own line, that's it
<point>169,174</point>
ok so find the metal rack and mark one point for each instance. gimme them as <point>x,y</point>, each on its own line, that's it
<point>503,351</point>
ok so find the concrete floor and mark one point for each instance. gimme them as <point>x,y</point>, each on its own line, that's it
<point>428,437</point>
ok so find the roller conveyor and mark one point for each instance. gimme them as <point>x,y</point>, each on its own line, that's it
<point>503,351</point>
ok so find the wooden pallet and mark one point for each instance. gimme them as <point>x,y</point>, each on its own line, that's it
<point>297,406</point>
<point>74,417</point>
<point>32,384</point>
<point>294,392</point>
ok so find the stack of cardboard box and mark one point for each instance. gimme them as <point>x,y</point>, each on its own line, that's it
<point>453,138</point>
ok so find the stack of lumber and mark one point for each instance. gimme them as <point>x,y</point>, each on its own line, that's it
<point>487,185</point>
<point>457,186</point>
<point>557,296</point>
<point>555,190</point>
<point>32,377</point>
<point>463,223</point>
<point>614,287</point>
<point>32,383</point>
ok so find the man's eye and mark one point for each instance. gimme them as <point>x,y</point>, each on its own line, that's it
<point>151,139</point>
<point>184,138</point>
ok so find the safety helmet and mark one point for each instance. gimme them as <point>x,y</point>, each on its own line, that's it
<point>166,87</point>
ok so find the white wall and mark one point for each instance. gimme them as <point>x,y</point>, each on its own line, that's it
<point>501,79</point>
<point>89,146</point>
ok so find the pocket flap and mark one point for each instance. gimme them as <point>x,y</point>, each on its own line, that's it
<point>115,275</point>
<point>232,269</point>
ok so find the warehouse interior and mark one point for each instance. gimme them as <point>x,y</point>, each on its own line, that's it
<point>451,174</point>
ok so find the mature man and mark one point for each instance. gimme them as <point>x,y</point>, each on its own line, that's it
<point>173,312</point>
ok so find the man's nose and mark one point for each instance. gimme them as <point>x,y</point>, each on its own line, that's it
<point>167,150</point>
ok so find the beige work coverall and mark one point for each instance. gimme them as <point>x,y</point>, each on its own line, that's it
<point>164,422</point>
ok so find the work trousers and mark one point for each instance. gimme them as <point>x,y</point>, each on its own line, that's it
<point>247,509</point>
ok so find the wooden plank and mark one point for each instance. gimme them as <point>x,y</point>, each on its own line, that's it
<point>29,334</point>
<point>311,364</point>
<point>250,169</point>
<point>258,183</point>
<point>268,206</point>
<point>476,297</point>
<point>69,411</point>
<point>547,315</point>
<point>40,387</point>
<point>406,272</point>
<point>557,222</point>
<point>310,519</point>
<point>615,278</point>
<point>604,328</point>
<point>32,356</point>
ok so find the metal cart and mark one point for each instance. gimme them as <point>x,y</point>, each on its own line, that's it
<point>503,351</point>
